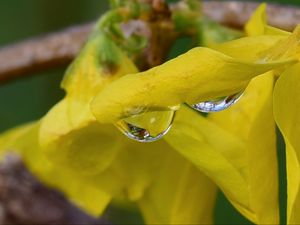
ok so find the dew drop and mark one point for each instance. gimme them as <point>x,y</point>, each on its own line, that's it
<point>148,126</point>
<point>217,105</point>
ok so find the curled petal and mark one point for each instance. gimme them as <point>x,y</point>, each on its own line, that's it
<point>235,148</point>
<point>287,116</point>
<point>251,120</point>
<point>196,76</point>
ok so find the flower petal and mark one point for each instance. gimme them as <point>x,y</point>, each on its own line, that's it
<point>235,148</point>
<point>198,75</point>
<point>257,25</point>
<point>287,116</point>
<point>216,152</point>
<point>85,146</point>
<point>137,164</point>
<point>251,120</point>
<point>180,194</point>
<point>69,134</point>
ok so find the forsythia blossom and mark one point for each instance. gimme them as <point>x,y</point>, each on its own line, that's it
<point>77,149</point>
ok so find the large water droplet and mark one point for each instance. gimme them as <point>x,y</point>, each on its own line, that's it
<point>217,105</point>
<point>148,126</point>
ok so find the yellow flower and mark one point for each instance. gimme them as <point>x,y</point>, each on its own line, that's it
<point>286,105</point>
<point>286,111</point>
<point>93,163</point>
<point>77,149</point>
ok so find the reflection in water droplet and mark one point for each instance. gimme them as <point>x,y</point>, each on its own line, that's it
<point>148,126</point>
<point>217,105</point>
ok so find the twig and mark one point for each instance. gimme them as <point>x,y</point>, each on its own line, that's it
<point>57,49</point>
<point>53,50</point>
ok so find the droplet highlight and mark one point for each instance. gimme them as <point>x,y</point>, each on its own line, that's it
<point>147,126</point>
<point>219,104</point>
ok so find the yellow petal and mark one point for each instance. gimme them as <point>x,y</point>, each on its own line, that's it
<point>8,139</point>
<point>24,140</point>
<point>136,166</point>
<point>85,147</point>
<point>235,148</point>
<point>167,188</point>
<point>69,134</point>
<point>287,116</point>
<point>216,152</point>
<point>251,120</point>
<point>198,75</point>
<point>99,62</point>
<point>257,25</point>
<point>234,48</point>
<point>180,194</point>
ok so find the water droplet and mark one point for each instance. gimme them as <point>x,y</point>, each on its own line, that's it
<point>148,126</point>
<point>217,105</point>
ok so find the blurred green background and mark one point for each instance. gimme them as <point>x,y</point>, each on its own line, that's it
<point>30,99</point>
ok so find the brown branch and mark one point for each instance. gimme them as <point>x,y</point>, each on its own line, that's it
<point>41,53</point>
<point>24,200</point>
<point>25,58</point>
